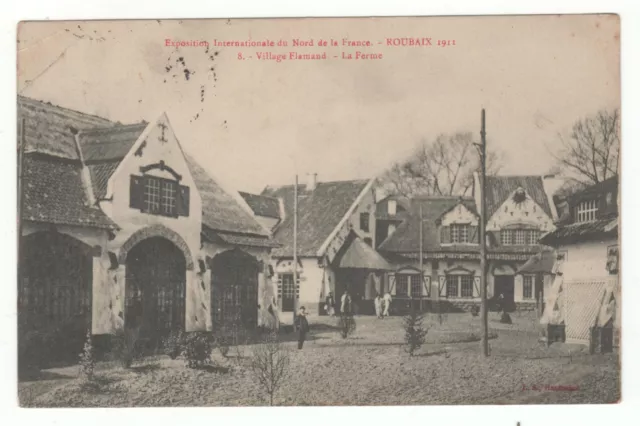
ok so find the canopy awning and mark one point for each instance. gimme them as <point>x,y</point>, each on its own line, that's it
<point>360,255</point>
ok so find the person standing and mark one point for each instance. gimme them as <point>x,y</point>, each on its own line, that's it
<point>377,304</point>
<point>387,304</point>
<point>303,326</point>
<point>345,303</point>
<point>330,304</point>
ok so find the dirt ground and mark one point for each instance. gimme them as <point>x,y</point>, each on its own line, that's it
<point>368,368</point>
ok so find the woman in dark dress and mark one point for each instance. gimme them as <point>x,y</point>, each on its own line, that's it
<point>302,325</point>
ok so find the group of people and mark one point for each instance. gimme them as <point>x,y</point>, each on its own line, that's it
<point>382,304</point>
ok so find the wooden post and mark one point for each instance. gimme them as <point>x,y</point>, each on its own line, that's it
<point>483,239</point>
<point>295,253</point>
<point>421,260</point>
<point>21,149</point>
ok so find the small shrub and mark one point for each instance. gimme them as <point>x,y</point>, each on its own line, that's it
<point>414,333</point>
<point>346,325</point>
<point>126,346</point>
<point>197,349</point>
<point>87,360</point>
<point>173,344</point>
<point>270,364</point>
<point>475,310</point>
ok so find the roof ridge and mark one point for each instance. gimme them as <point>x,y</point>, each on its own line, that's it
<point>22,98</point>
<point>258,195</point>
<point>115,127</point>
<point>324,182</point>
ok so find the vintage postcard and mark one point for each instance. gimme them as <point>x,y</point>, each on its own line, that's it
<point>319,211</point>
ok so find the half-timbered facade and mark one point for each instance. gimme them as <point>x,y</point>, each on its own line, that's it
<point>518,212</point>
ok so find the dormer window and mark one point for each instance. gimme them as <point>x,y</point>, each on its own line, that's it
<point>459,233</point>
<point>519,237</point>
<point>586,211</point>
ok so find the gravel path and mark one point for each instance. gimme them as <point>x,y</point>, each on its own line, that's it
<point>369,368</point>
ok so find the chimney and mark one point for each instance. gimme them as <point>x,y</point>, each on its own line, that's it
<point>312,180</point>
<point>85,175</point>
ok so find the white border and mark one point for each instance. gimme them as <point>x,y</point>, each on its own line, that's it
<point>503,415</point>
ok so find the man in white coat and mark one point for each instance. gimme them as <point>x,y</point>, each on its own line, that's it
<point>387,303</point>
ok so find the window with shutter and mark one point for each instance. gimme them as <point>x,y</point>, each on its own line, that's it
<point>155,195</point>
<point>445,235</point>
<point>183,200</point>
<point>426,285</point>
<point>136,192</point>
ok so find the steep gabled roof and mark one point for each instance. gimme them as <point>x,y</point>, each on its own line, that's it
<point>219,210</point>
<point>48,127</point>
<point>53,193</point>
<point>319,213</point>
<point>499,188</point>
<point>406,238</point>
<point>52,186</point>
<point>262,205</point>
<point>539,263</point>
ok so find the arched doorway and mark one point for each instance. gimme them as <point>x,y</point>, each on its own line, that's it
<point>234,290</point>
<point>54,291</point>
<point>155,288</point>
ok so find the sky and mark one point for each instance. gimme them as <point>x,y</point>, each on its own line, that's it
<point>253,123</point>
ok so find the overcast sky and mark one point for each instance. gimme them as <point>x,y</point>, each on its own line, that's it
<point>261,122</point>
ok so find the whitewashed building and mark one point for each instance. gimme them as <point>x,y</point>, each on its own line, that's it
<point>121,228</point>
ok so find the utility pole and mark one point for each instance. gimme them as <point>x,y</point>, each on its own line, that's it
<point>296,283</point>
<point>421,249</point>
<point>483,239</point>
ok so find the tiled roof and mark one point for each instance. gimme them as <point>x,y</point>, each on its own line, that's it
<point>104,144</point>
<point>53,193</point>
<point>406,239</point>
<point>48,127</point>
<point>406,236</point>
<point>219,210</point>
<point>262,205</point>
<point>539,263</point>
<point>238,239</point>
<point>356,254</point>
<point>606,227</point>
<point>500,187</point>
<point>319,212</point>
<point>111,143</point>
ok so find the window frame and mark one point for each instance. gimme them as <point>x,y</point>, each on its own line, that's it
<point>586,211</point>
<point>365,222</point>
<point>459,230</point>
<point>158,207</point>
<point>530,284</point>
<point>403,281</point>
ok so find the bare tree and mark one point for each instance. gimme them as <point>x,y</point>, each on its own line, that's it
<point>443,166</point>
<point>592,151</point>
<point>270,365</point>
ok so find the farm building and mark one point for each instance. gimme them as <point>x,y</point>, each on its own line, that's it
<point>519,211</point>
<point>120,228</point>
<point>585,293</point>
<point>336,231</point>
